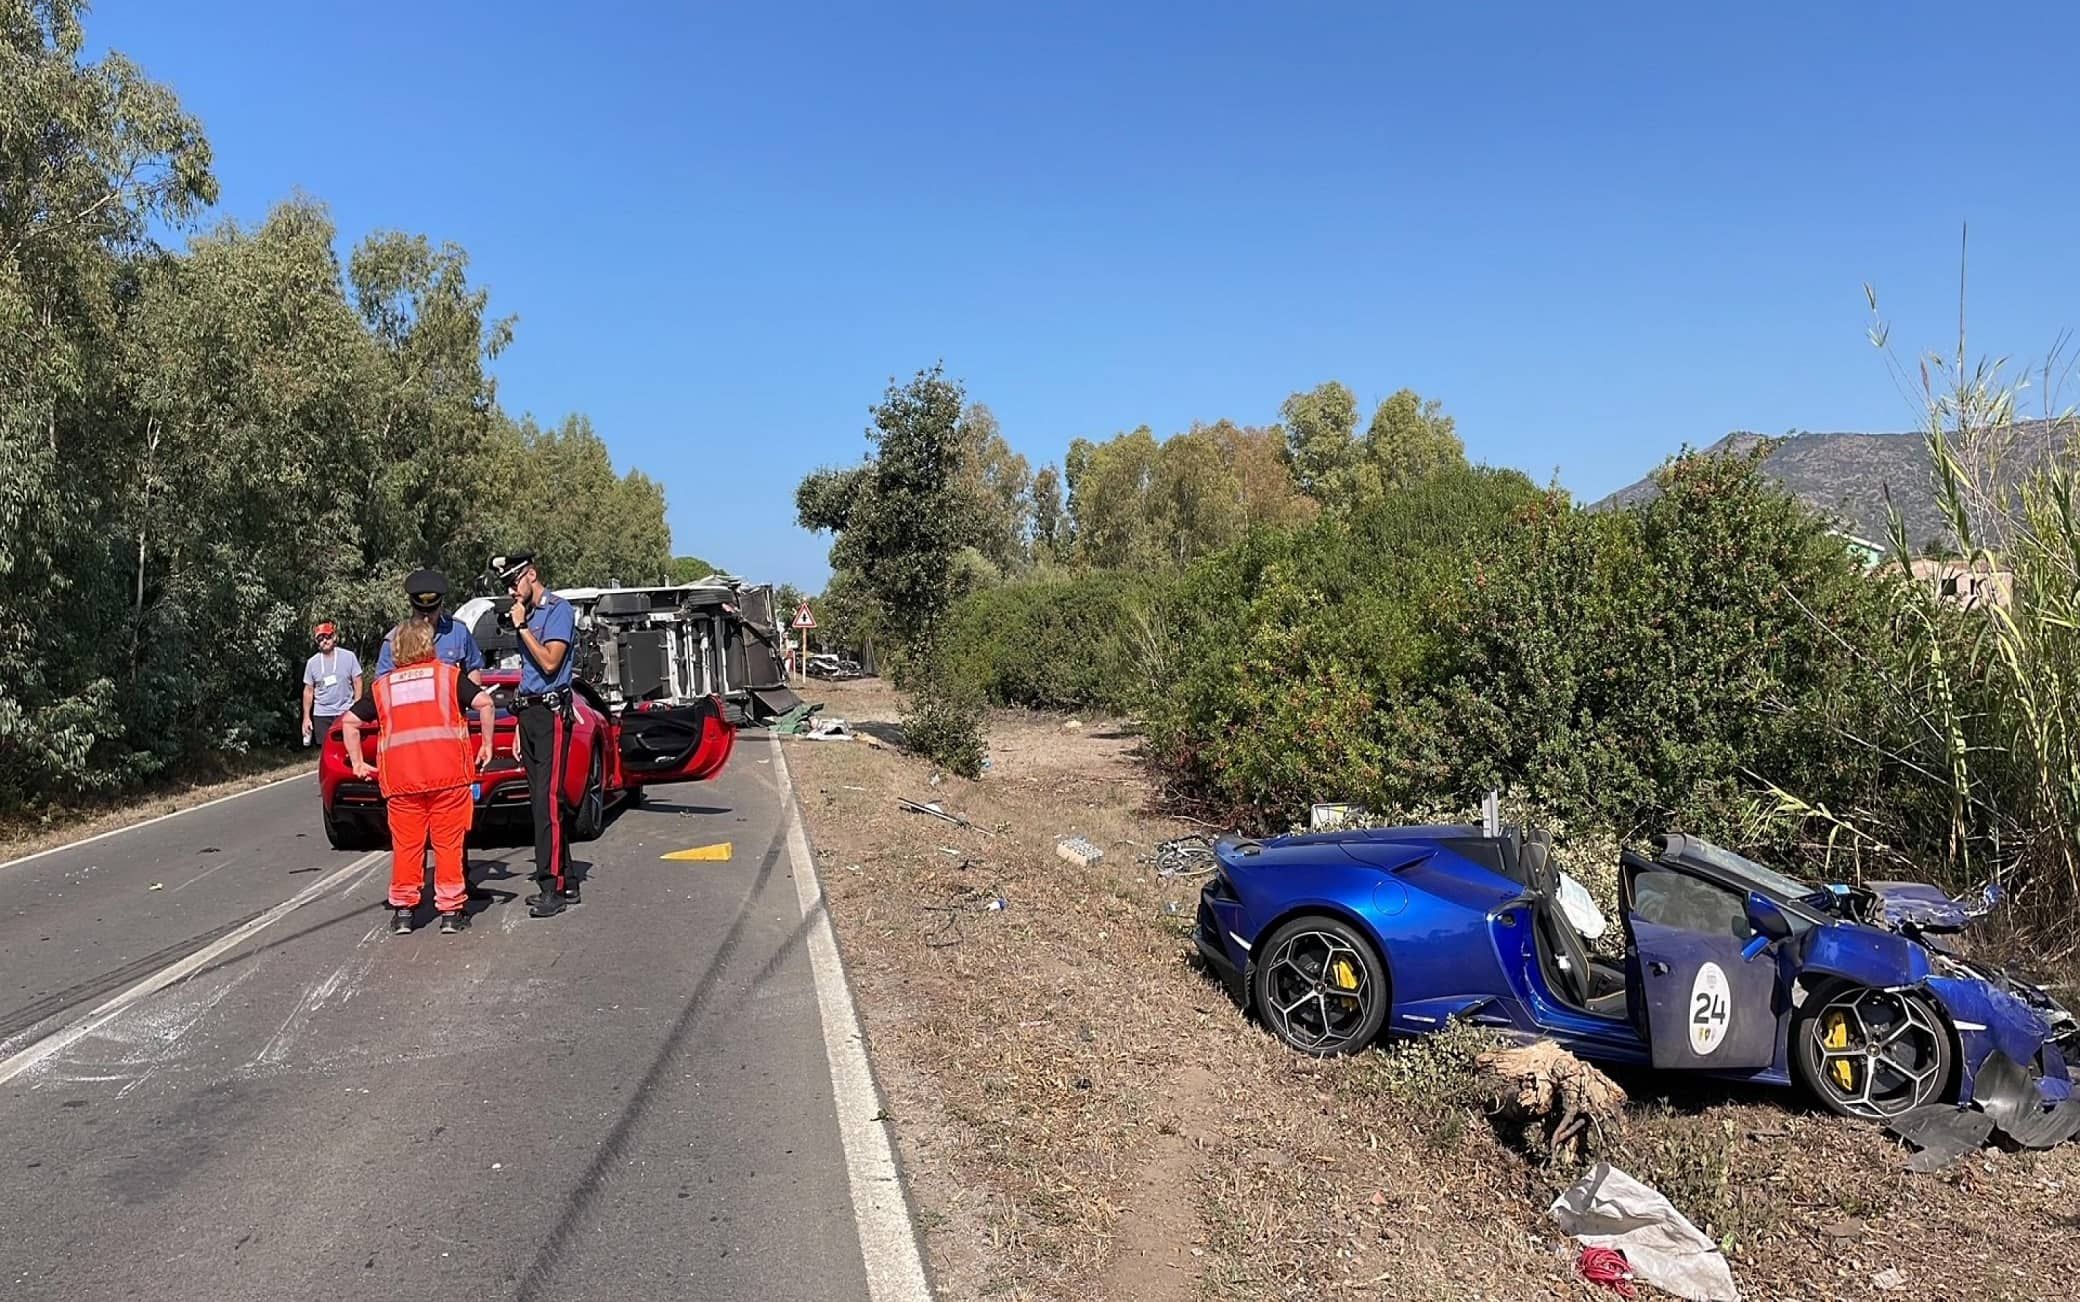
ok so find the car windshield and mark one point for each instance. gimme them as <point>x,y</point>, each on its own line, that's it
<point>1770,880</point>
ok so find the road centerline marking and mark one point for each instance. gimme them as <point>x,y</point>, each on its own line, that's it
<point>107,1012</point>
<point>881,1215</point>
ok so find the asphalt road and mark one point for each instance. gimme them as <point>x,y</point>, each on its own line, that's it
<point>629,1101</point>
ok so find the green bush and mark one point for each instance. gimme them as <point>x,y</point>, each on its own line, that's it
<point>1304,658</point>
<point>1626,671</point>
<point>944,723</point>
<point>1064,640</point>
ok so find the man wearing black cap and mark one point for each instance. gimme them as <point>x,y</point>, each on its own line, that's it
<point>545,626</point>
<point>427,591</point>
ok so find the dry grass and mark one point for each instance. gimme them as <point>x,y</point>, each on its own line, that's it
<point>58,824</point>
<point>1084,1115</point>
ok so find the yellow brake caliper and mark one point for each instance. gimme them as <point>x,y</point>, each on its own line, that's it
<point>1345,977</point>
<point>1836,1037</point>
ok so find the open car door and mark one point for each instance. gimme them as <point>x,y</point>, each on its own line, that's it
<point>1697,1000</point>
<point>677,743</point>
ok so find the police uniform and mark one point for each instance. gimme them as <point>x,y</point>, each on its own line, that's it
<point>427,591</point>
<point>544,715</point>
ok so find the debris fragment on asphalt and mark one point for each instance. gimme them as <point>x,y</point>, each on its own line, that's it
<point>1609,1209</point>
<point>156,886</point>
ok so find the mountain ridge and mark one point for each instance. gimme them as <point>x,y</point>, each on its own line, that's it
<point>1847,475</point>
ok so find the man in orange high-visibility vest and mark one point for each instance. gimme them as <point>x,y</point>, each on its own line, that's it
<point>424,768</point>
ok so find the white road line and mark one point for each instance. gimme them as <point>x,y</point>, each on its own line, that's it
<point>166,976</point>
<point>887,1238</point>
<point>132,827</point>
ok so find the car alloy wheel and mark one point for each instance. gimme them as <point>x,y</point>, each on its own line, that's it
<point>1873,1053</point>
<point>1320,988</point>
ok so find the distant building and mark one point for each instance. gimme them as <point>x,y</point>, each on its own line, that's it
<point>1867,553</point>
<point>1973,585</point>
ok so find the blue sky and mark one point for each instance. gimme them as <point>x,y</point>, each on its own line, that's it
<point>1595,232</point>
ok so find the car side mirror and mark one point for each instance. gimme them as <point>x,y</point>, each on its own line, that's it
<point>1770,922</point>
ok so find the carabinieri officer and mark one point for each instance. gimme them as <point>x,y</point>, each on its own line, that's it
<point>545,625</point>
<point>427,591</point>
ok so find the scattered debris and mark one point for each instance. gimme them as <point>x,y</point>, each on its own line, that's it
<point>1609,1209</point>
<point>2005,1100</point>
<point>830,730</point>
<point>1608,1267</point>
<point>937,811</point>
<point>946,932</point>
<point>1560,1102</point>
<point>795,720</point>
<point>1329,817</point>
<point>1185,856</point>
<point>1078,850</point>
<point>1073,725</point>
<point>1889,1280</point>
<point>156,886</point>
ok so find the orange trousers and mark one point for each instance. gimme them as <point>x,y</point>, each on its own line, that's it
<point>444,816</point>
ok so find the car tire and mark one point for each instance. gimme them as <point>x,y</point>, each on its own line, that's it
<point>591,817</point>
<point>1320,986</point>
<point>1838,1021</point>
<point>346,834</point>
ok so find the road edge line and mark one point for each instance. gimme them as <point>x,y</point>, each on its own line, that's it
<point>116,1005</point>
<point>888,1238</point>
<point>156,818</point>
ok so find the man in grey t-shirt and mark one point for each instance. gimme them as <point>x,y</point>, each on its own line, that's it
<point>331,684</point>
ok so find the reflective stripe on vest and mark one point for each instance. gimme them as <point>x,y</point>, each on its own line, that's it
<point>424,744</point>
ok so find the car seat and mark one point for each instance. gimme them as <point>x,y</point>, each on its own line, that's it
<point>1597,987</point>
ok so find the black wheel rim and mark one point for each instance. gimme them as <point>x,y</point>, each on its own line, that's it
<point>1877,1053</point>
<point>1319,990</point>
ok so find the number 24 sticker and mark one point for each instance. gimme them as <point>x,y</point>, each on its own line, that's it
<point>1710,1010</point>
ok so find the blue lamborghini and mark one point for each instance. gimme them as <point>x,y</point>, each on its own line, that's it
<point>1730,968</point>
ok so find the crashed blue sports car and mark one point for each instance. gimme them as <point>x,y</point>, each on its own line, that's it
<point>1730,968</point>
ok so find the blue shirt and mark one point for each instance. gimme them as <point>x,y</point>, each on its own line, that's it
<point>452,645</point>
<point>553,621</point>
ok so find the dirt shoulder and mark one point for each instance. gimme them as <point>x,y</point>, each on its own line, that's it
<point>1083,1114</point>
<point>29,834</point>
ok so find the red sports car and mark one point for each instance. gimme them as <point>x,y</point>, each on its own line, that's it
<point>613,757</point>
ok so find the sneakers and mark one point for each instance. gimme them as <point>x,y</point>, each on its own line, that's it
<point>401,922</point>
<point>547,904</point>
<point>570,896</point>
<point>454,922</point>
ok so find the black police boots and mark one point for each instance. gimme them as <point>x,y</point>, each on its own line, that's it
<point>547,903</point>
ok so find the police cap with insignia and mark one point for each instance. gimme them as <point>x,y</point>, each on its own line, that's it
<point>426,589</point>
<point>510,567</point>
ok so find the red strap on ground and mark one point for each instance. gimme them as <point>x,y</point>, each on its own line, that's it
<point>1608,1267</point>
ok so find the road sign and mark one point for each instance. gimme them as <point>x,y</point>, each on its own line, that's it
<point>802,617</point>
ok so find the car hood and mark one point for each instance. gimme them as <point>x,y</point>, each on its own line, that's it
<point>1919,908</point>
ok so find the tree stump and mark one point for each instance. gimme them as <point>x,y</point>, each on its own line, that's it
<point>1560,1106</point>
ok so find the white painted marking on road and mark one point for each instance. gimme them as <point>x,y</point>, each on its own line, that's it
<point>887,1238</point>
<point>166,976</point>
<point>132,827</point>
